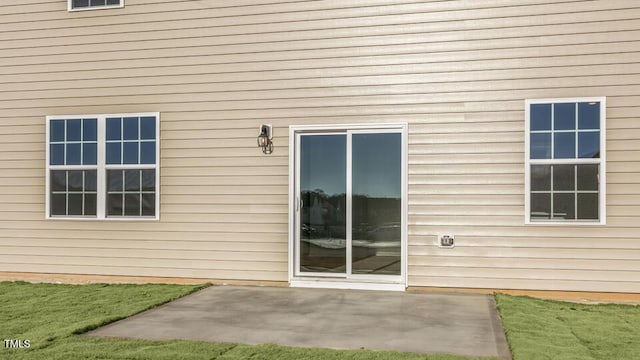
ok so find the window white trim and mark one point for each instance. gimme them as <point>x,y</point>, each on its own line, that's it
<point>327,280</point>
<point>602,161</point>
<point>70,7</point>
<point>101,168</point>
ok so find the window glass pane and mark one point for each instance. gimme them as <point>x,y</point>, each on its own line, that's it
<point>588,206</point>
<point>75,204</point>
<point>73,130</point>
<point>58,204</point>
<point>376,211</point>
<point>132,205</point>
<point>114,155</point>
<point>148,204</point>
<point>58,180</point>
<point>113,129</point>
<point>73,154</point>
<point>564,177</point>
<point>148,128</point>
<point>114,180</point>
<point>75,180</point>
<point>56,154</point>
<point>588,177</point>
<point>322,212</point>
<point>130,128</point>
<point>540,117</point>
<point>564,146</point>
<point>90,180</point>
<point>589,144</point>
<point>90,130</point>
<point>89,153</point>
<point>98,2</point>
<point>80,3</point>
<point>130,153</point>
<point>113,2</point>
<point>148,153</point>
<point>589,115</point>
<point>148,180</point>
<point>90,204</point>
<point>541,177</point>
<point>564,206</point>
<point>132,180</point>
<point>56,130</point>
<point>564,116</point>
<point>114,204</point>
<point>540,206</point>
<point>540,146</point>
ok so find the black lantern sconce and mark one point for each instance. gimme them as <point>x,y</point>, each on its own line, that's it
<point>265,139</point>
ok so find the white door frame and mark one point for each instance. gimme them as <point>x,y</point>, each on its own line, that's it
<point>344,281</point>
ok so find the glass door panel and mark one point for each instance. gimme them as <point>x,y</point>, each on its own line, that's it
<point>376,185</point>
<point>323,172</point>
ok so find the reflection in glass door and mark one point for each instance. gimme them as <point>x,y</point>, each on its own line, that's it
<point>349,210</point>
<point>376,203</point>
<point>323,237</point>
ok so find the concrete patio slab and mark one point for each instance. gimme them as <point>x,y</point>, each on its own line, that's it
<point>340,319</point>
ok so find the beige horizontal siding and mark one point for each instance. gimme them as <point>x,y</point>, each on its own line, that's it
<point>520,283</point>
<point>457,71</point>
<point>428,11</point>
<point>314,30</point>
<point>135,227</point>
<point>140,270</point>
<point>304,39</point>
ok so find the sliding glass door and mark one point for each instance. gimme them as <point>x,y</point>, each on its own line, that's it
<point>349,203</point>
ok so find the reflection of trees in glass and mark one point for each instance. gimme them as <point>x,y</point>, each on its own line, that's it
<point>374,218</point>
<point>323,216</point>
<point>376,235</point>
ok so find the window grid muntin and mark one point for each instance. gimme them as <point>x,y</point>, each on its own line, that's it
<point>125,192</point>
<point>552,191</point>
<point>67,192</point>
<point>80,142</point>
<point>139,141</point>
<point>552,131</point>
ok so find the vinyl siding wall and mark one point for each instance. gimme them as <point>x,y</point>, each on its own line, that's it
<point>457,71</point>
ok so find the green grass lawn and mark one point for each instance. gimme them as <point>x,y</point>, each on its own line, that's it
<point>50,316</point>
<point>543,329</point>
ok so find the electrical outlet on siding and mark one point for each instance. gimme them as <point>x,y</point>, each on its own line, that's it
<point>446,241</point>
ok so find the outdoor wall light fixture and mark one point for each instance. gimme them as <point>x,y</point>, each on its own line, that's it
<point>265,139</point>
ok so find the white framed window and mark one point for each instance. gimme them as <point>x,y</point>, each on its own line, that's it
<point>103,166</point>
<point>78,5</point>
<point>565,161</point>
